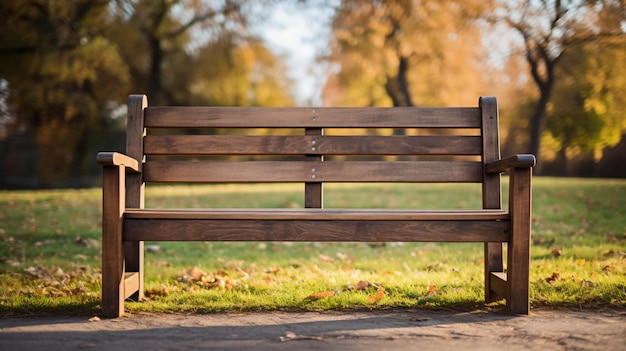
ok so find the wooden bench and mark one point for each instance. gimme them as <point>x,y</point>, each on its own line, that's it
<point>159,149</point>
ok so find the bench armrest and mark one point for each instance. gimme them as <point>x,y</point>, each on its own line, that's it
<point>505,164</point>
<point>117,159</point>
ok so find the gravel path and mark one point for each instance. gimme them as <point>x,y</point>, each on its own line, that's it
<point>422,330</point>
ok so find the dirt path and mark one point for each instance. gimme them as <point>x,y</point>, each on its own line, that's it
<point>363,331</point>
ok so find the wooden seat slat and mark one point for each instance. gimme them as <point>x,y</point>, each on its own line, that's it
<point>315,230</point>
<point>318,214</point>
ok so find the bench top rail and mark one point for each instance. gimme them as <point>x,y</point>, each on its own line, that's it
<point>304,117</point>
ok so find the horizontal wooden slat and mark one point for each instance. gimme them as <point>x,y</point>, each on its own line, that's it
<point>302,117</point>
<point>307,144</point>
<point>317,214</point>
<point>306,230</point>
<point>304,171</point>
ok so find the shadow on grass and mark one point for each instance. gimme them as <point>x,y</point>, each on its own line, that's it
<point>39,308</point>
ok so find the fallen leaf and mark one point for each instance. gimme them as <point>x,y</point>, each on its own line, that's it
<point>556,252</point>
<point>362,285</point>
<point>432,290</point>
<point>380,294</point>
<point>94,319</point>
<point>580,261</point>
<point>321,295</point>
<point>555,276</point>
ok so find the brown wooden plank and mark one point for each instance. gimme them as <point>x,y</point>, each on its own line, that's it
<point>303,117</point>
<point>303,171</point>
<point>303,230</point>
<point>492,197</point>
<point>135,186</point>
<point>313,191</point>
<point>518,256</point>
<point>505,164</point>
<point>309,144</point>
<point>113,204</point>
<point>319,214</point>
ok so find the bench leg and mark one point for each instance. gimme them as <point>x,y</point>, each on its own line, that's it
<point>518,256</point>
<point>113,204</point>
<point>493,264</point>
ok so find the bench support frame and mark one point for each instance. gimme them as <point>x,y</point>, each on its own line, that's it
<point>124,228</point>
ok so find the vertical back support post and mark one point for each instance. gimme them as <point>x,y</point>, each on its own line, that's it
<point>134,251</point>
<point>492,197</point>
<point>313,191</point>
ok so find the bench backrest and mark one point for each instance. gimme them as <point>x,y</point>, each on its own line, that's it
<point>454,146</point>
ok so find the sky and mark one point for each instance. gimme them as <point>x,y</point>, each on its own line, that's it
<point>299,33</point>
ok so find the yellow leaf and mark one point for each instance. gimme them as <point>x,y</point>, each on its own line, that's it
<point>321,295</point>
<point>380,294</point>
<point>432,290</point>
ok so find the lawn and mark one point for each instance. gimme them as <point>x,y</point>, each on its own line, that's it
<point>50,253</point>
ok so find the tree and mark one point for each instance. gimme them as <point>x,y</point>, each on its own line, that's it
<point>548,29</point>
<point>64,66</point>
<point>588,107</point>
<point>239,73</point>
<point>60,73</point>
<point>404,52</point>
<point>156,37</point>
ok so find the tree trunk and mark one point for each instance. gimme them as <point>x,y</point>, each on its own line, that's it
<point>155,89</point>
<point>538,121</point>
<point>398,87</point>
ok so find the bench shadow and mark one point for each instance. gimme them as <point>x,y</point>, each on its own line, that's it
<point>244,327</point>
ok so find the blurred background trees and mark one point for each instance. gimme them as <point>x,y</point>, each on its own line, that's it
<point>66,69</point>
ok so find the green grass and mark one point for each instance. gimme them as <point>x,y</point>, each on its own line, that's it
<point>50,253</point>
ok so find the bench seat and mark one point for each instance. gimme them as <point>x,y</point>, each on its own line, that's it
<point>316,225</point>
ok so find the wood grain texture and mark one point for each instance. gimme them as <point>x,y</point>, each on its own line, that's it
<point>313,145</point>
<point>113,205</point>
<point>313,214</point>
<point>304,117</point>
<point>135,131</point>
<point>498,286</point>
<point>518,258</point>
<point>492,197</point>
<point>314,190</point>
<point>306,230</point>
<point>126,223</point>
<point>117,159</point>
<point>505,164</point>
<point>303,171</point>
